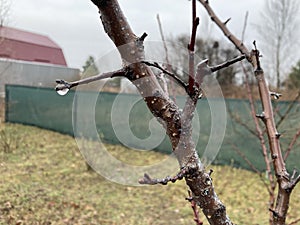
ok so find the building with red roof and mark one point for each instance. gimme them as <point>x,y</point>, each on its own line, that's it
<point>27,46</point>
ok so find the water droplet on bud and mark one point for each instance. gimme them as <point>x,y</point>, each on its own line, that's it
<point>61,90</point>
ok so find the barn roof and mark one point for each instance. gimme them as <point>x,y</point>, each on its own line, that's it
<point>25,36</point>
<point>23,45</point>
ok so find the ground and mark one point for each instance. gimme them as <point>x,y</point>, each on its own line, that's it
<point>44,180</point>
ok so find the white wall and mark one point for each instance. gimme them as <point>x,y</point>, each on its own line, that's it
<point>33,74</point>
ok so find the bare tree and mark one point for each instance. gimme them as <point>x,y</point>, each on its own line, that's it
<point>4,11</point>
<point>278,30</point>
<point>178,123</point>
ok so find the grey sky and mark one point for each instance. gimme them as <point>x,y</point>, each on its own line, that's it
<point>76,27</point>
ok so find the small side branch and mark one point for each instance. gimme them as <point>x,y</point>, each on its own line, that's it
<point>288,151</point>
<point>195,24</point>
<point>195,209</point>
<point>251,165</point>
<point>294,180</point>
<point>191,48</point>
<point>245,26</point>
<point>172,75</point>
<point>291,106</point>
<point>227,63</point>
<point>62,84</point>
<point>152,181</point>
<point>294,222</point>
<point>240,153</point>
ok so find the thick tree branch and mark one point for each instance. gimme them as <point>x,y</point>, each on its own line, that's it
<point>163,108</point>
<point>283,178</point>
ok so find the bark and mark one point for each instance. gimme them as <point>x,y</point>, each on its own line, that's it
<point>177,124</point>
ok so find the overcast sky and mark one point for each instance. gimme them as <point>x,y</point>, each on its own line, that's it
<point>75,24</point>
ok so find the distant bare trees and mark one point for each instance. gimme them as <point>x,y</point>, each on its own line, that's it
<point>214,51</point>
<point>278,29</point>
<point>4,11</point>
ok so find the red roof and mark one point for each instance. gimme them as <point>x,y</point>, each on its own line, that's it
<point>23,45</point>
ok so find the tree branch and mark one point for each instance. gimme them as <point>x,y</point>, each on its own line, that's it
<point>239,44</point>
<point>227,63</point>
<point>177,124</point>
<point>283,179</point>
<point>238,151</point>
<point>191,48</point>
<point>291,105</point>
<point>245,26</point>
<point>259,130</point>
<point>165,85</point>
<point>294,222</point>
<point>292,143</point>
<point>244,157</point>
<point>61,84</point>
<point>172,75</point>
<point>182,173</point>
<point>195,209</point>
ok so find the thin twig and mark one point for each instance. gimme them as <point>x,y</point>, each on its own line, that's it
<point>227,63</point>
<point>195,209</point>
<point>292,143</point>
<point>245,26</point>
<point>251,165</point>
<point>243,124</point>
<point>172,75</point>
<point>294,180</point>
<point>244,157</point>
<point>291,105</point>
<point>152,181</point>
<point>294,222</point>
<point>271,187</point>
<point>165,85</point>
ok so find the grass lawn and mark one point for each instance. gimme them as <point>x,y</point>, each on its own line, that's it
<point>44,180</point>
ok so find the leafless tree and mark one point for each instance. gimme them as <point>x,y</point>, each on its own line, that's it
<point>178,123</point>
<point>4,11</point>
<point>278,30</point>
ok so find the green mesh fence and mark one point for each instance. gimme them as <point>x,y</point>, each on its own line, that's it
<point>44,108</point>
